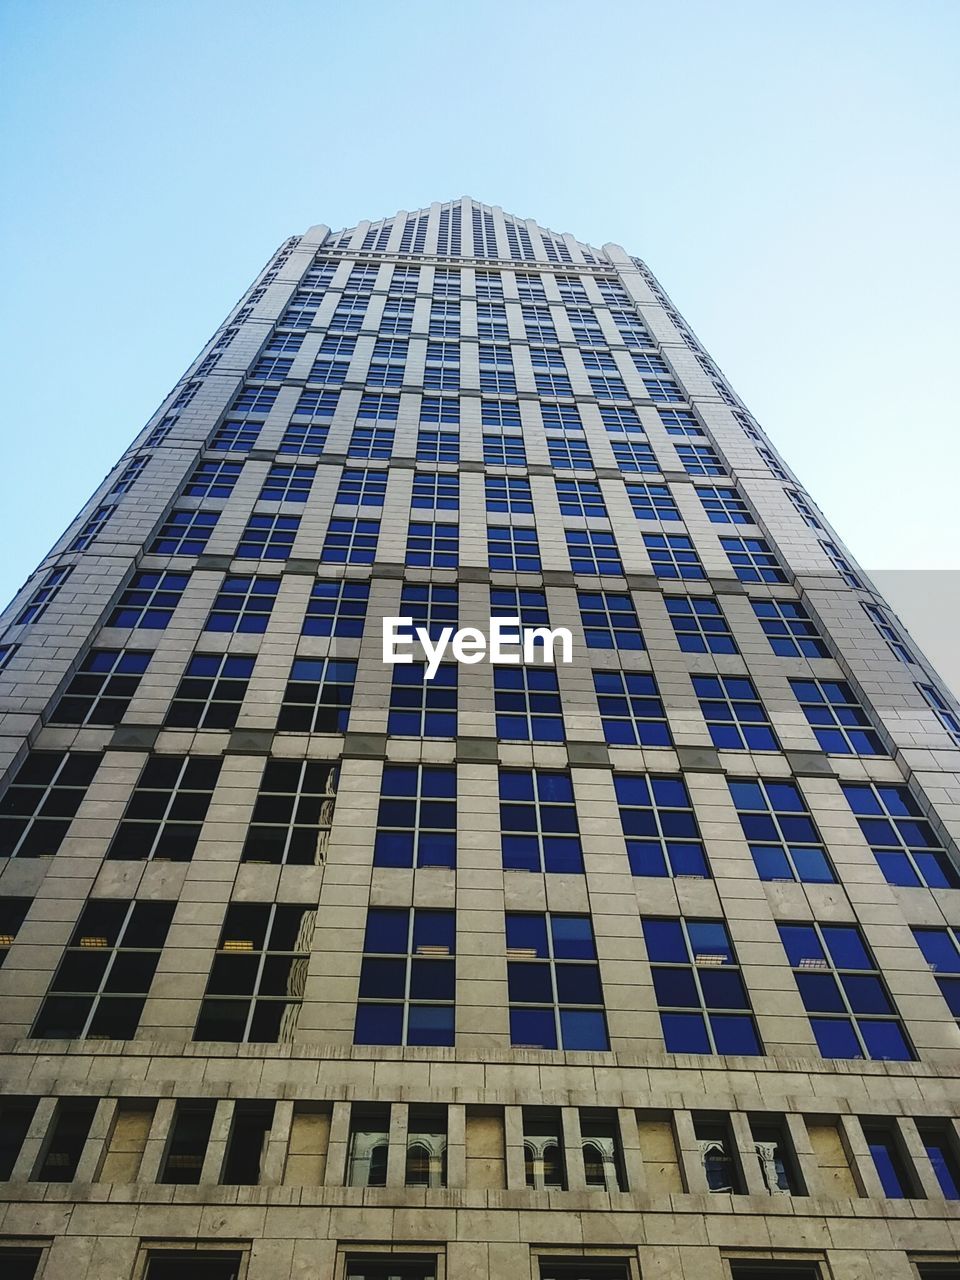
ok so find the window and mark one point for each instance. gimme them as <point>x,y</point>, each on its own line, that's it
<point>504,450</point>
<point>149,600</point>
<point>367,1151</point>
<point>940,707</point>
<point>723,506</point>
<point>165,813</point>
<point>547,358</point>
<point>553,983</point>
<point>102,982</point>
<point>672,555</point>
<point>6,653</point>
<point>941,950</point>
<point>16,1116</point>
<point>703,1003</point>
<point>160,433</point>
<point>257,400</point>
<point>775,1155</point>
<point>317,696</point>
<point>550,383</point>
<point>38,602</point>
<point>100,692</point>
<point>787,626</point>
<point>850,1011</point>
<point>888,1159</point>
<point>593,552</point>
<point>841,564</point>
<point>129,476</point>
<point>423,708</point>
<point>630,709</point>
<point>284,342</point>
<point>659,827</point>
<point>518,602</point>
<point>213,479</point>
<point>734,714</point>
<point>699,460</point>
<point>211,692</point>
<point>438,446</point>
<point>504,415</point>
<point>186,1148</point>
<point>543,1153</point>
<point>840,723</point>
<point>442,370</point>
<point>13,912</point>
<point>387,363</point>
<point>580,498</point>
<point>665,391</point>
<point>784,841</point>
<point>71,1127</point>
<point>293,812</point>
<point>603,1164</point>
<point>371,442</point>
<point>679,422</point>
<point>561,417</point>
<point>316,406</point>
<point>753,560</point>
<point>37,808</point>
<point>569,454</point>
<point>572,290</point>
<point>432,545</point>
<point>940,1146</point>
<point>513,549</point>
<point>258,975</point>
<point>247,1144</point>
<point>417,817</point>
<point>649,364</point>
<point>634,455</point>
<point>903,843</point>
<point>896,643</point>
<point>652,502</point>
<point>609,620</point>
<point>407,978</point>
<point>288,482</point>
<point>509,495</point>
<point>620,418</point>
<point>268,537</point>
<point>92,529</point>
<point>699,625</point>
<point>361,488</point>
<point>303,439</point>
<point>527,704</point>
<point>235,437</point>
<point>426,1146</point>
<point>804,509</point>
<point>717,1148</point>
<point>184,533</point>
<point>503,381</point>
<point>440,409</point>
<point>538,822</point>
<point>430,606</point>
<point>243,604</point>
<point>350,542</point>
<point>530,288</point>
<point>271,369</point>
<point>336,608</point>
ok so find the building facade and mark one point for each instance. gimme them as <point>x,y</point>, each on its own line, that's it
<point>645,965</point>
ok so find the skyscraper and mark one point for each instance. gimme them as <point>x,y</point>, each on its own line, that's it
<point>645,965</point>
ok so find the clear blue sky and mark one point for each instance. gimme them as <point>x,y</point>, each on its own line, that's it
<point>788,170</point>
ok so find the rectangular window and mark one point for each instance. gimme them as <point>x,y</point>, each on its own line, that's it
<point>129,476</point>
<point>426,1163</point>
<point>284,342</point>
<point>609,620</point>
<point>699,625</point>
<point>103,980</point>
<point>316,407</point>
<point>362,488</point>
<point>211,692</point>
<point>6,653</point>
<point>679,422</point>
<point>39,805</point>
<point>417,817</point>
<point>718,1155</point>
<point>649,363</point>
<point>184,533</point>
<point>293,813</point>
<point>336,608</point>
<point>634,455</point>
<point>338,345</point>
<point>896,643</point>
<point>371,442</point>
<point>16,1116</point>
<point>255,400</point>
<point>304,440</point>
<point>659,827</point>
<point>776,1157</point>
<point>850,1010</point>
<point>13,912</point>
<point>64,1147</point>
<point>903,843</point>
<point>317,696</point>
<point>543,1152</point>
<point>440,409</point>
<point>328,373</point>
<point>630,709</point>
<point>699,460</point>
<point>652,502</point>
<point>247,1143</point>
<point>841,564</point>
<point>258,975</point>
<point>723,506</point>
<point>407,978</point>
<point>538,822</point>
<point>235,437</point>
<point>164,815</point>
<point>940,707</point>
<point>92,529</point>
<point>268,537</point>
<point>500,450</point>
<point>896,1178</point>
<point>804,509</point>
<point>380,407</point>
<point>148,602</point>
<point>509,495</point>
<point>527,704</point>
<point>784,841</point>
<point>213,479</point>
<point>503,382</point>
<point>288,482</point>
<point>664,391</point>
<point>553,983</point>
<point>734,714</point>
<point>941,950</point>
<point>187,1146</point>
<point>550,383</point>
<point>243,605</point>
<point>513,549</point>
<point>570,453</point>
<point>367,1149</point>
<point>593,552</point>
<point>271,369</point>
<point>580,498</point>
<point>38,602</point>
<point>100,692</point>
<point>673,556</point>
<point>753,560</point>
<point>838,720</point>
<point>619,418</point>
<point>703,1003</point>
<point>438,446</point>
<point>940,1145</point>
<point>561,417</point>
<point>423,708</point>
<point>547,358</point>
<point>432,545</point>
<point>350,542</point>
<point>787,626</point>
<point>430,606</point>
<point>603,1163</point>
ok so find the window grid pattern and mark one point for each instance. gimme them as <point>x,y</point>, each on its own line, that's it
<point>734,714</point>
<point>659,827</point>
<point>783,838</point>
<point>407,978</point>
<point>839,722</point>
<point>553,983</point>
<point>902,840</point>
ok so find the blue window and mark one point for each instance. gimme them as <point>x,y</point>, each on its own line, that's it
<point>618,417</point>
<point>288,482</point>
<point>6,653</point>
<point>530,288</point>
<point>317,406</point>
<point>837,718</point>
<point>572,289</point>
<point>501,450</point>
<point>43,798</point>
<point>941,708</point>
<point>941,950</point>
<point>235,437</point>
<point>371,442</point>
<point>498,381</point>
<point>129,476</point>
<point>336,607</point>
<point>804,509</point>
<point>593,552</point>
<point>850,1010</point>
<point>501,414</point>
<point>440,409</point>
<point>432,545</point>
<point>734,714</point>
<point>386,366</point>
<point>569,453</point>
<point>723,506</point>
<point>284,342</point>
<point>672,555</point>
<point>561,417</point>
<point>211,692</point>
<point>580,498</point>
<point>896,643</point>
<point>547,358</point>
<point>940,1147</point>
<point>842,565</point>
<point>431,606</point>
<point>663,390</point>
<point>361,488</point>
<point>634,455</point>
<point>659,827</point>
<point>184,533</point>
<point>519,602</point>
<point>784,842</point>
<point>630,709</point>
<point>338,345</point>
<point>650,363</point>
<point>787,626</point>
<point>436,491</point>
<point>301,438</point>
<point>255,400</point>
<point>350,542</point>
<point>379,406</point>
<point>423,708</point>
<point>149,601</point>
<point>699,460</point>
<point>92,529</point>
<point>317,696</point>
<point>903,843</point>
<point>407,978</point>
<point>538,822</point>
<point>446,284</point>
<point>703,1003</point>
<point>268,537</point>
<point>609,620</point>
<point>213,480</point>
<point>438,446</point>
<point>509,495</point>
<point>100,692</point>
<point>699,624</point>
<point>680,422</point>
<point>888,1160</point>
<point>538,324</point>
<point>553,983</point>
<point>549,383</point>
<point>652,502</point>
<point>417,817</point>
<point>599,362</point>
<point>606,388</point>
<point>271,369</point>
<point>243,604</point>
<point>527,704</point>
<point>753,560</point>
<point>513,549</point>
